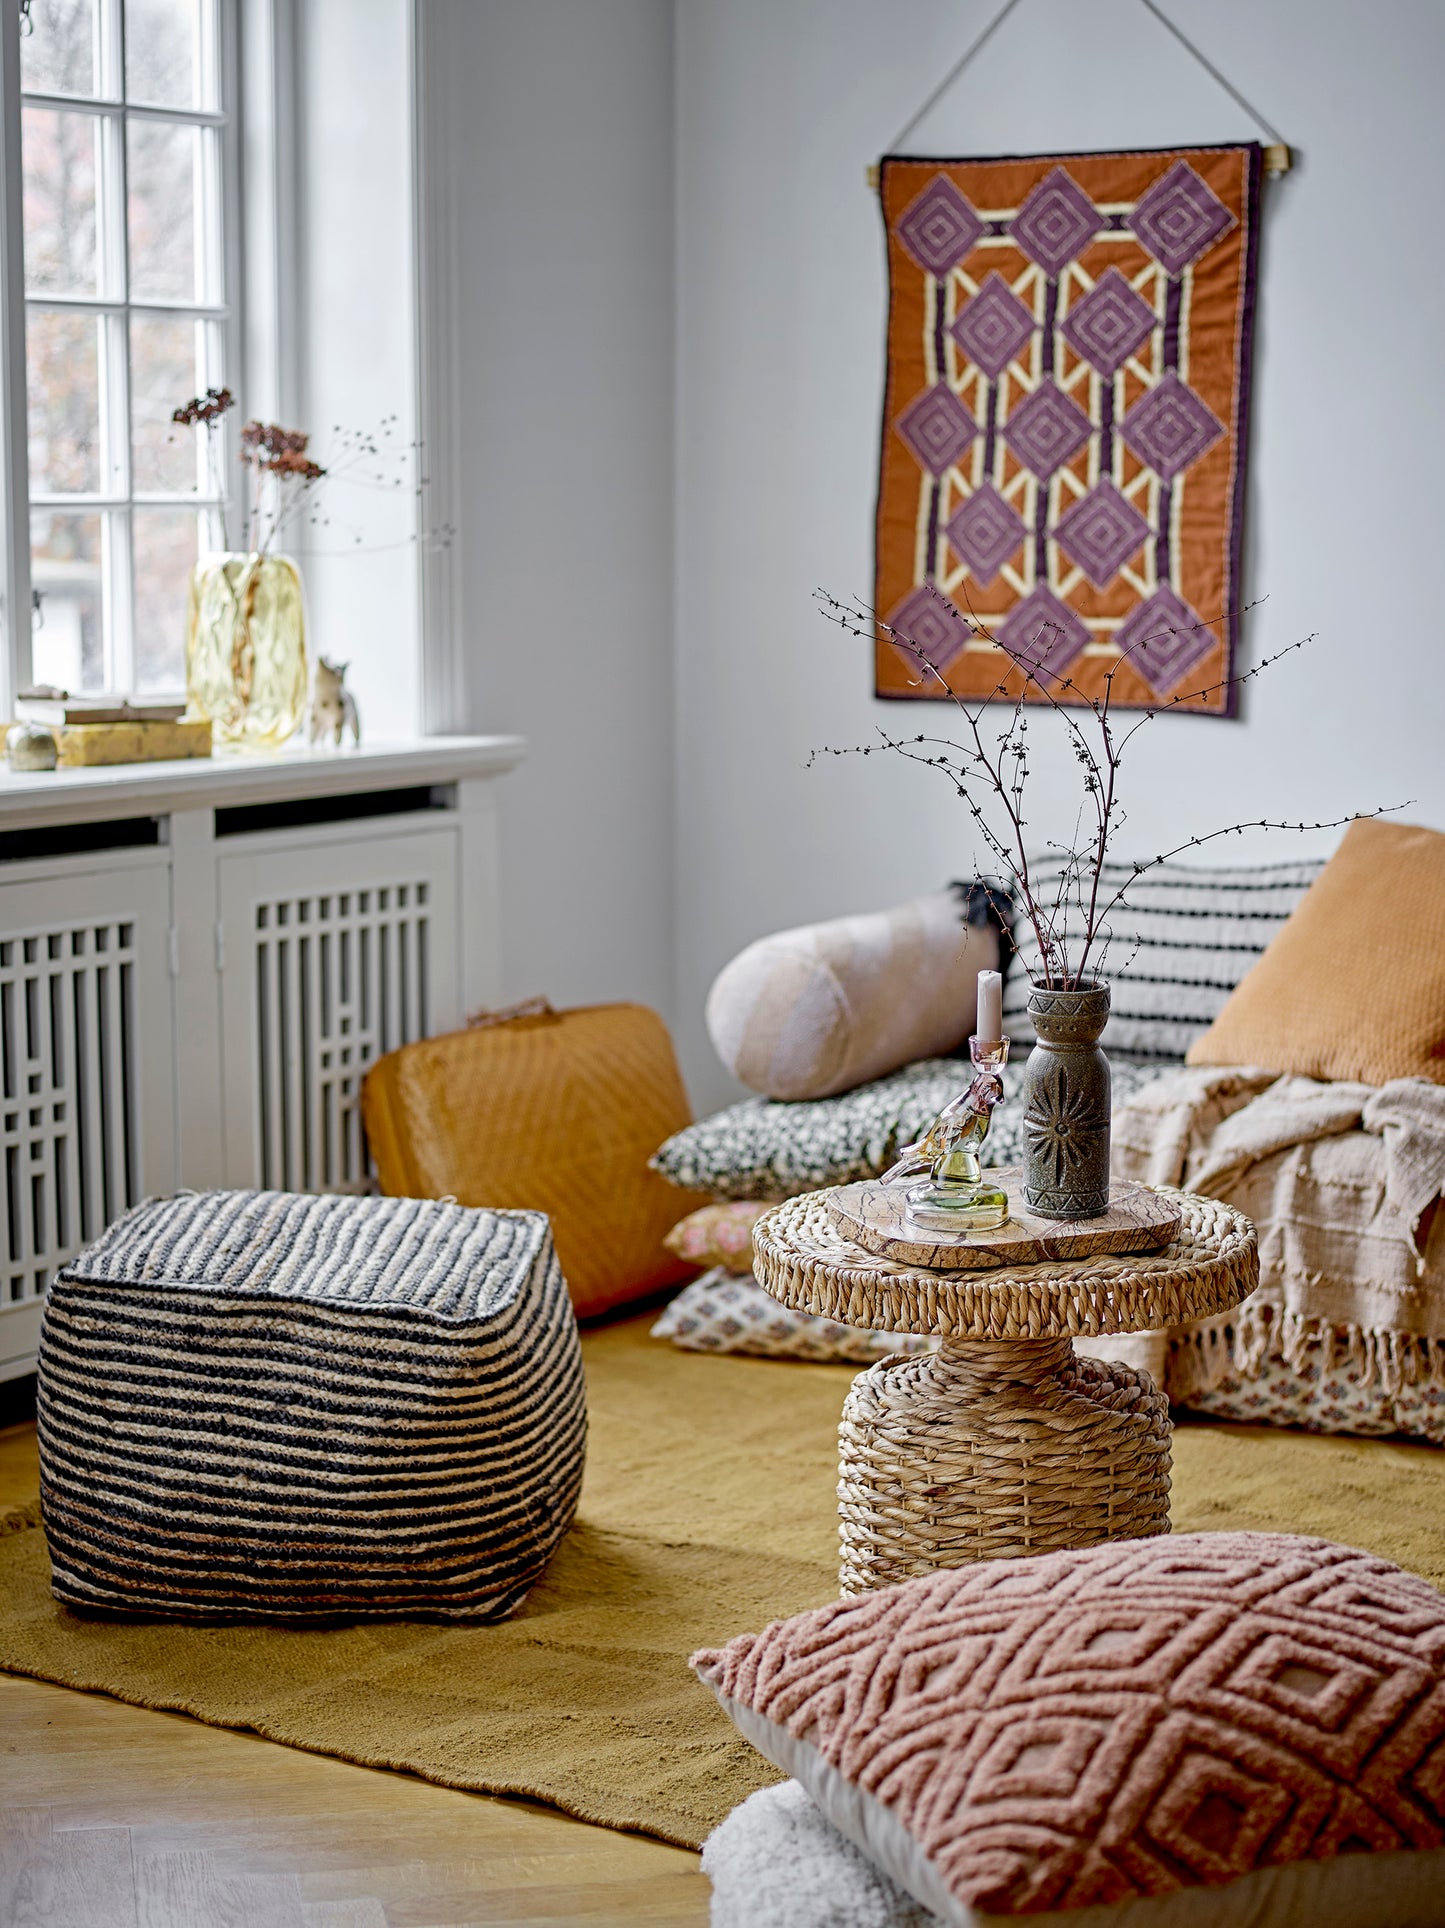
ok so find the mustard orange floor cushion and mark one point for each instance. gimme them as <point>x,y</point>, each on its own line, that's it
<point>556,1112</point>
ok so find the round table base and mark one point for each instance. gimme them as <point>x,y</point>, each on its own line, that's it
<point>990,1449</point>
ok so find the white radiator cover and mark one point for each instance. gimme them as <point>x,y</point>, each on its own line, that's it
<point>85,1064</point>
<point>201,1010</point>
<point>333,955</point>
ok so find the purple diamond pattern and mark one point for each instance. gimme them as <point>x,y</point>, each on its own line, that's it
<point>937,427</point>
<point>986,531</point>
<point>1109,323</point>
<point>1043,633</point>
<point>1101,532</point>
<point>1046,429</point>
<point>993,326</point>
<point>927,619</point>
<point>1180,217</point>
<point>1164,639</point>
<point>1056,222</point>
<point>939,227</point>
<point>1171,427</point>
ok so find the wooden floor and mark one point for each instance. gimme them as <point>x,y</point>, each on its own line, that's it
<point>116,1817</point>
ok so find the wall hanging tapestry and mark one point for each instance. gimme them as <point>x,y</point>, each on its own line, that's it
<point>1064,429</point>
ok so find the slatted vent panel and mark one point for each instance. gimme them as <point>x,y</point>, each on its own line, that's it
<point>340,978</point>
<point>68,1123</point>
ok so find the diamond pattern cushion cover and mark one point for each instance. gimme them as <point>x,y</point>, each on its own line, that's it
<point>1209,1711</point>
<point>259,1404</point>
<point>723,1313</point>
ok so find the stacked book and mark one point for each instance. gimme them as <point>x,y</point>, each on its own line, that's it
<point>98,729</point>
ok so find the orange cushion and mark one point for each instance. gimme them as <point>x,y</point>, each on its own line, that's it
<point>558,1113</point>
<point>1353,986</point>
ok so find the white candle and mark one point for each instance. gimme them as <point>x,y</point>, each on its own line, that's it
<point>989,1027</point>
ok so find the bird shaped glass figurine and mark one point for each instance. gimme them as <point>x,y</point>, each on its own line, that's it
<point>956,1195</point>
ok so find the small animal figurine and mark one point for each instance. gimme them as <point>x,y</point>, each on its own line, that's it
<point>333,706</point>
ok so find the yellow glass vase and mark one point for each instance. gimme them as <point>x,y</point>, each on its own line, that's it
<point>246,649</point>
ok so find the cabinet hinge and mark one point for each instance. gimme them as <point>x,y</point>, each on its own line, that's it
<point>173,951</point>
<point>220,946</point>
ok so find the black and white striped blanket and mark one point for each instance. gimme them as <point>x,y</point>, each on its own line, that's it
<point>1177,947</point>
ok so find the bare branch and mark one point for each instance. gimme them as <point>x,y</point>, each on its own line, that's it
<point>989,771</point>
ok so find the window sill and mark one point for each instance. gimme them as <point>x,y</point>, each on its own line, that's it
<point>30,799</point>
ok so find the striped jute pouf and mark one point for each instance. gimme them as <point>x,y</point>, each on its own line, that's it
<point>268,1405</point>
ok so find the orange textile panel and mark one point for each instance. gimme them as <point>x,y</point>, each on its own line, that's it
<point>1061,486</point>
<point>555,1112</point>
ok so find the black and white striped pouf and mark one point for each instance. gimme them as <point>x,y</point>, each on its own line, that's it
<point>281,1406</point>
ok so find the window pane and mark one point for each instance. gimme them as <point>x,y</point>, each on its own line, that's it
<point>163,53</point>
<point>62,367</point>
<point>165,372</point>
<point>163,166</point>
<point>59,54</point>
<point>165,547</point>
<point>59,214</point>
<point>65,568</point>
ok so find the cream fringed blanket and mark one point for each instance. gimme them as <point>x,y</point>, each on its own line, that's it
<point>1342,1182</point>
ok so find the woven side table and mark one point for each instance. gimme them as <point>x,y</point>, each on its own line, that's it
<point>1003,1442</point>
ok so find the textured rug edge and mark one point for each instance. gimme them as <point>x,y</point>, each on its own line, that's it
<point>678,1834</point>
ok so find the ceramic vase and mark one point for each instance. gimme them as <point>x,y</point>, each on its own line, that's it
<point>246,665</point>
<point>1066,1104</point>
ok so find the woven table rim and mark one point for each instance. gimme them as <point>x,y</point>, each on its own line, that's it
<point>1212,1264</point>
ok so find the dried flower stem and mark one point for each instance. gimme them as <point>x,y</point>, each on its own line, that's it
<point>987,777</point>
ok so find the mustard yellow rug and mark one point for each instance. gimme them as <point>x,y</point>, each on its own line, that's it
<point>708,1509</point>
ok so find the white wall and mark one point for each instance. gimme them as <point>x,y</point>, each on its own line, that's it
<point>556,122</point>
<point>357,356</point>
<point>781,105</point>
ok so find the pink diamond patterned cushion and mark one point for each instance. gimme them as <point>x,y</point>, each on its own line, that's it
<point>1208,1711</point>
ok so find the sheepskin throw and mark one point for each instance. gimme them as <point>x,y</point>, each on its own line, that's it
<point>1063,457</point>
<point>778,1862</point>
<point>269,1405</point>
<point>1021,1736</point>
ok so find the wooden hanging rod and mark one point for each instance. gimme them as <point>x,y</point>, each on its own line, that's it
<point>1277,160</point>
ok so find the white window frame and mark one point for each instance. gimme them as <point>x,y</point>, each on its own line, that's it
<point>117,495</point>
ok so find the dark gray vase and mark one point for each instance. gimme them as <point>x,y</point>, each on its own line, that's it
<point>1067,1104</point>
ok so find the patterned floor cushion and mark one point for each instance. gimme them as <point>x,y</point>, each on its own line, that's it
<point>264,1405</point>
<point>1340,1398</point>
<point>1215,1729</point>
<point>766,1148</point>
<point>722,1312</point>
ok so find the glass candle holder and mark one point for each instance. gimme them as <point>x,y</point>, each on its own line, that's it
<point>956,1195</point>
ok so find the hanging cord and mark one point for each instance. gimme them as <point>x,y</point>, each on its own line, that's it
<point>952,75</point>
<point>1214,73</point>
<point>1276,155</point>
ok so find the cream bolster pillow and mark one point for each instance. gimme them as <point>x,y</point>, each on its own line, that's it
<point>817,1010</point>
